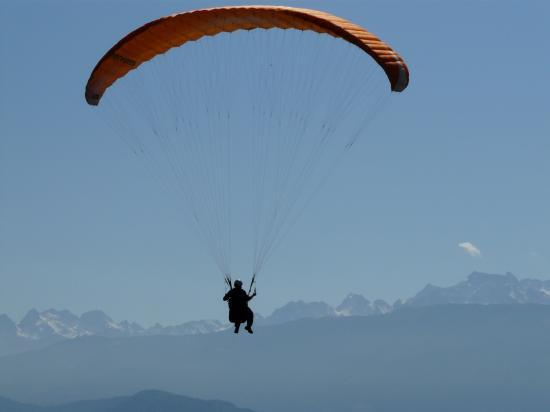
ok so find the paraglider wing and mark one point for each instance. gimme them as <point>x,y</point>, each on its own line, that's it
<point>161,35</point>
<point>246,121</point>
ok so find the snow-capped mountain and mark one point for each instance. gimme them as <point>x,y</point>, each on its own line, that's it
<point>358,305</point>
<point>299,310</point>
<point>49,323</point>
<point>353,305</point>
<point>485,288</point>
<point>98,323</point>
<point>480,288</point>
<point>38,329</point>
<point>64,324</point>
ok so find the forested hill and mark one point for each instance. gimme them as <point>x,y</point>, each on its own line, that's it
<point>145,401</point>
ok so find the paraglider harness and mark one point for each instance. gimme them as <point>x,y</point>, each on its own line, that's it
<point>235,315</point>
<point>229,283</point>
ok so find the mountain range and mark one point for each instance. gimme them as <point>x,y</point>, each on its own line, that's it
<point>144,401</point>
<point>479,345</point>
<point>485,288</point>
<point>39,329</point>
<point>443,358</point>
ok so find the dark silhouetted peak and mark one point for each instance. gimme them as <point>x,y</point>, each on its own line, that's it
<point>145,401</point>
<point>31,317</point>
<point>152,400</point>
<point>7,326</point>
<point>7,405</point>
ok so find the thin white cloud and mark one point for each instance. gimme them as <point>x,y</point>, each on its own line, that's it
<point>470,249</point>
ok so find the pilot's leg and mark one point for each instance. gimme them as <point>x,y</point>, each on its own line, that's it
<point>249,320</point>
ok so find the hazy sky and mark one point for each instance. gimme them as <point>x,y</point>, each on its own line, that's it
<point>453,176</point>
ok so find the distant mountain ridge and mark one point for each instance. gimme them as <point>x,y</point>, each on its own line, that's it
<point>445,358</point>
<point>64,324</point>
<point>7,405</point>
<point>485,289</point>
<point>352,305</point>
<point>38,329</point>
<point>143,401</point>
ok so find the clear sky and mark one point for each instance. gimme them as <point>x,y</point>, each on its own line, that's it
<point>461,156</point>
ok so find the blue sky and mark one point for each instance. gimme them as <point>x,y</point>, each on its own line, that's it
<point>461,156</point>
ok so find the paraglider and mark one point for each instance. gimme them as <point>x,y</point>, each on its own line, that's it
<point>256,100</point>
<point>239,312</point>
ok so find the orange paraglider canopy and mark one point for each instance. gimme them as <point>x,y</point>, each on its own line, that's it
<point>161,35</point>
